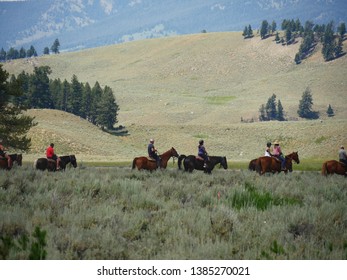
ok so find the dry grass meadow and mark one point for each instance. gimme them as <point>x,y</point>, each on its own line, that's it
<point>180,89</point>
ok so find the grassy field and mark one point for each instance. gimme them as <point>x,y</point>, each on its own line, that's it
<point>117,213</point>
<point>180,89</point>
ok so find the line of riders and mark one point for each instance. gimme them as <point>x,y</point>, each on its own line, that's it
<point>153,154</point>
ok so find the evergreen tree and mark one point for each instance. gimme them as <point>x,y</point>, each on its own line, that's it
<point>262,113</point>
<point>273,27</point>
<point>2,54</point>
<point>330,111</point>
<point>22,53</point>
<point>66,96</point>
<point>39,93</point>
<point>75,100</point>
<point>250,31</point>
<point>13,124</point>
<point>107,109</point>
<point>305,106</point>
<point>270,108</point>
<point>96,97</point>
<point>288,36</point>
<point>328,42</point>
<point>342,30</point>
<point>55,88</point>
<point>87,101</point>
<point>280,112</point>
<point>31,52</point>
<point>46,51</point>
<point>264,29</point>
<point>339,47</point>
<point>245,32</point>
<point>55,46</point>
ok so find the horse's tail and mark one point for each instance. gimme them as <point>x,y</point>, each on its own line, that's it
<point>324,169</point>
<point>134,163</point>
<point>180,158</point>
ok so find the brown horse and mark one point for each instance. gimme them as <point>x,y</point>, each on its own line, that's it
<point>271,164</point>
<point>50,164</point>
<point>148,164</point>
<point>334,167</point>
<point>3,163</point>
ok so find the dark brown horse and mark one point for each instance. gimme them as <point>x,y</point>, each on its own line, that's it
<point>334,167</point>
<point>273,165</point>
<point>149,164</point>
<point>50,164</point>
<point>191,162</point>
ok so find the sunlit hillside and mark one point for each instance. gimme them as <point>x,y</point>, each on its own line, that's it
<point>184,88</point>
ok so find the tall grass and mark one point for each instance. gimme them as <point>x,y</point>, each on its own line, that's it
<point>117,213</point>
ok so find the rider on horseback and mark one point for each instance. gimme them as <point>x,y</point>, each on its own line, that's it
<point>277,152</point>
<point>202,152</point>
<point>51,155</point>
<point>343,155</point>
<point>152,152</point>
<point>4,155</point>
<point>268,150</point>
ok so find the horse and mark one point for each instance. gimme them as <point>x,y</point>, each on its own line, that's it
<point>3,163</point>
<point>50,164</point>
<point>191,162</point>
<point>271,164</point>
<point>334,167</point>
<point>150,164</point>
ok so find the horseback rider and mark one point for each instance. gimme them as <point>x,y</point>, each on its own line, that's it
<point>342,155</point>
<point>50,154</point>
<point>202,152</point>
<point>268,150</point>
<point>152,152</point>
<point>277,152</point>
<point>4,155</point>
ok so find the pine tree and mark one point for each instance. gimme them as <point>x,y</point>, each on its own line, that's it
<point>277,38</point>
<point>107,109</point>
<point>270,108</point>
<point>305,106</point>
<point>262,113</point>
<point>339,47</point>
<point>280,112</point>
<point>297,58</point>
<point>264,29</point>
<point>330,111</point>
<point>328,42</point>
<point>13,124</point>
<point>342,30</point>
<point>55,46</point>
<point>96,97</point>
<point>245,32</point>
<point>75,100</point>
<point>39,93</point>
<point>46,50</point>
<point>2,54</point>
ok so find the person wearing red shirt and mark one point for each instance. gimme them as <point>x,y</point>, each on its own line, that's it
<point>51,155</point>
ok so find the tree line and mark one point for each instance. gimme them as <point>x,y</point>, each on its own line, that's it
<point>13,53</point>
<point>273,109</point>
<point>330,37</point>
<point>96,104</point>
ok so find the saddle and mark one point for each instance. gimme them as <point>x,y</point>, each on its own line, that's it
<point>199,158</point>
<point>151,159</point>
<point>51,160</point>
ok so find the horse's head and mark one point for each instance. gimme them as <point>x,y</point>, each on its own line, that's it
<point>224,163</point>
<point>73,161</point>
<point>174,152</point>
<point>295,157</point>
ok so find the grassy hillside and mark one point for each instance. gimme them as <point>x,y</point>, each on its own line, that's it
<point>181,89</point>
